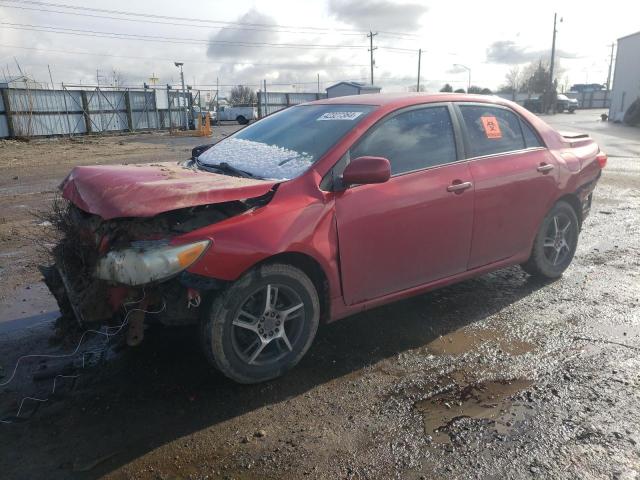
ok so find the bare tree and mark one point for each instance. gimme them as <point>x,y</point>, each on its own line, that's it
<point>242,95</point>
<point>513,80</point>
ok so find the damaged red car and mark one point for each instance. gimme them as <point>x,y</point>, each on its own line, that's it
<point>317,212</point>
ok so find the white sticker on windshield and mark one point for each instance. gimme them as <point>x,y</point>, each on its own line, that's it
<point>339,116</point>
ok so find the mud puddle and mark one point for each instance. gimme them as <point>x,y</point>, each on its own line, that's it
<point>465,340</point>
<point>489,400</point>
<point>27,307</point>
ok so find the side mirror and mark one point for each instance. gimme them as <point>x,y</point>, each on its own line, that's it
<point>365,170</point>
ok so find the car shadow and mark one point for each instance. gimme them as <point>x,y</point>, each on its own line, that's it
<point>164,390</point>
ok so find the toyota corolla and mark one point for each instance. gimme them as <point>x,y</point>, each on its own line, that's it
<point>317,212</point>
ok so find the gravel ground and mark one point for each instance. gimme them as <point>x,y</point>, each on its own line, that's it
<point>497,377</point>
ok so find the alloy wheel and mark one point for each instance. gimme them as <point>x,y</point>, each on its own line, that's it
<point>268,324</point>
<point>558,239</point>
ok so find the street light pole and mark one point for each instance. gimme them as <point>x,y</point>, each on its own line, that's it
<point>184,95</point>
<point>469,74</point>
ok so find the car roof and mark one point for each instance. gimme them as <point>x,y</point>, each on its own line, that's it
<point>397,100</point>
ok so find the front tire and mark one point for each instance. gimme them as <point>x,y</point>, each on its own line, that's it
<point>555,243</point>
<point>261,326</point>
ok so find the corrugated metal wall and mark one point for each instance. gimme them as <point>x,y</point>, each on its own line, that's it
<point>274,101</point>
<point>599,99</point>
<point>4,129</point>
<point>35,112</point>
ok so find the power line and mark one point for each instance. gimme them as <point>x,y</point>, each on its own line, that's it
<point>157,38</point>
<point>172,24</point>
<point>198,20</point>
<point>398,49</point>
<point>280,65</point>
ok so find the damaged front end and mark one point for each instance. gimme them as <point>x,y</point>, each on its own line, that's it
<point>102,269</point>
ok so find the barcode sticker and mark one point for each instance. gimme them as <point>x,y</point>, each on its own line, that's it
<point>339,116</point>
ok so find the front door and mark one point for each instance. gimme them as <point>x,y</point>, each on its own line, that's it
<point>415,228</point>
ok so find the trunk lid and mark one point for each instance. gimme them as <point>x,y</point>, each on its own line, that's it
<point>145,190</point>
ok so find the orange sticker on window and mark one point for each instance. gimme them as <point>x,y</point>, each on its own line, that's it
<point>491,127</point>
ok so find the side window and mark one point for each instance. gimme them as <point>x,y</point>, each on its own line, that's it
<point>411,140</point>
<point>531,140</point>
<point>491,130</point>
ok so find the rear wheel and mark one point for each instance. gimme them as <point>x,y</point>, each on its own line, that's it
<point>242,120</point>
<point>555,243</point>
<point>262,325</point>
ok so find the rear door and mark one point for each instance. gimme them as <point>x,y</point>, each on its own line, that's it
<point>515,180</point>
<point>416,227</point>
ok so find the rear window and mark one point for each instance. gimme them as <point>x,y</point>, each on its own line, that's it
<point>491,130</point>
<point>530,138</point>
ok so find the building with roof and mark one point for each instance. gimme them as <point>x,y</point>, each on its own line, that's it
<point>626,77</point>
<point>342,89</point>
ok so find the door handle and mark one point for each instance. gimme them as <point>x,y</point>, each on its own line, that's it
<point>544,167</point>
<point>459,187</point>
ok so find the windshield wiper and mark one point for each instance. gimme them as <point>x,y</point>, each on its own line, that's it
<point>224,167</point>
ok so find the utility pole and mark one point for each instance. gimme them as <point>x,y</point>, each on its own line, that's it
<point>266,102</point>
<point>419,58</point>
<point>53,87</point>
<point>318,83</point>
<point>370,35</point>
<point>184,95</point>
<point>610,67</point>
<point>217,101</point>
<point>551,96</point>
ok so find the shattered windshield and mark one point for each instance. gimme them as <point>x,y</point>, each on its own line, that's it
<point>285,144</point>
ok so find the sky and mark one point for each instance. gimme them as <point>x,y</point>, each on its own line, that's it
<point>290,43</point>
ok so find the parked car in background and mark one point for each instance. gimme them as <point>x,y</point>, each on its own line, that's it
<point>566,103</point>
<point>242,115</point>
<point>318,212</point>
<point>563,103</point>
<point>534,104</point>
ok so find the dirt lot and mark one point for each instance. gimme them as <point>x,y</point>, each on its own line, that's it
<point>497,377</point>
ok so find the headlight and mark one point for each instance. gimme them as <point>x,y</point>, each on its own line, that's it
<point>146,262</point>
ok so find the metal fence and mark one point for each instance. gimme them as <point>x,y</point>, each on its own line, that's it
<point>270,102</point>
<point>71,111</point>
<point>597,99</point>
<point>76,110</point>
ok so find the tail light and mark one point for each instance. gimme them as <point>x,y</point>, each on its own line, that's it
<point>602,159</point>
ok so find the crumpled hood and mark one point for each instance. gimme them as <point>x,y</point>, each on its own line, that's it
<point>145,190</point>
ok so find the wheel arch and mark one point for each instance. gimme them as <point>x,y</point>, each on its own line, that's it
<point>573,200</point>
<point>312,268</point>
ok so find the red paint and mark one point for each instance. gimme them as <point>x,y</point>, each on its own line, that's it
<point>402,233</point>
<point>376,243</point>
<point>367,170</point>
<point>146,190</point>
<point>602,159</point>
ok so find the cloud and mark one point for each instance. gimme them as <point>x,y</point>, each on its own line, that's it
<point>378,14</point>
<point>510,53</point>
<point>226,51</point>
<point>456,69</point>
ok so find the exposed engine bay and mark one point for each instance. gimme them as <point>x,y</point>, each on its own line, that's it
<point>99,266</point>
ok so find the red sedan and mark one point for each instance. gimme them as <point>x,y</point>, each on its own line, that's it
<point>315,213</point>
